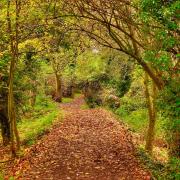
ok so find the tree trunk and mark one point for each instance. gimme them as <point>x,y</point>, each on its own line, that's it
<point>32,99</point>
<point>5,127</point>
<point>58,96</point>
<point>14,58</point>
<point>12,112</point>
<point>11,108</point>
<point>152,115</point>
<point>4,122</point>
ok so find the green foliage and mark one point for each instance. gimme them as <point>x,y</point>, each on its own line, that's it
<point>169,104</point>
<point>90,66</point>
<point>132,104</point>
<point>101,72</point>
<point>133,108</point>
<point>164,57</point>
<point>4,61</point>
<point>160,60</point>
<point>163,11</point>
<point>122,84</point>
<point>92,102</point>
<point>118,72</point>
<point>108,69</point>
<point>172,170</point>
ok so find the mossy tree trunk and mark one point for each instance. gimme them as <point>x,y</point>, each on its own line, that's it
<point>58,97</point>
<point>152,114</point>
<point>14,136</point>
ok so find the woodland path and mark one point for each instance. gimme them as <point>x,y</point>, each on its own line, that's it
<point>88,144</point>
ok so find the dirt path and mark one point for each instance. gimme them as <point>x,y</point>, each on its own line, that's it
<point>89,144</point>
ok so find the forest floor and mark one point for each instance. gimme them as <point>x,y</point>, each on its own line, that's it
<point>88,144</point>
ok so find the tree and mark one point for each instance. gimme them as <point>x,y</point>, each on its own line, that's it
<point>15,30</point>
<point>14,41</point>
<point>152,113</point>
<point>59,62</point>
<point>164,57</point>
<point>119,25</point>
<point>113,26</point>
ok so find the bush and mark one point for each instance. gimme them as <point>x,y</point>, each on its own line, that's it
<point>169,104</point>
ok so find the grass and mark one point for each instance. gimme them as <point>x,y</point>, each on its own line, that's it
<point>44,114</point>
<point>77,94</point>
<point>31,129</point>
<point>138,121</point>
<point>84,106</point>
<point>67,100</point>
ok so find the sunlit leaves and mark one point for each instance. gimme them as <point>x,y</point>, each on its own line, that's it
<point>90,66</point>
<point>164,11</point>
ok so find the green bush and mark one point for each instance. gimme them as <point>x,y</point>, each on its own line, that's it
<point>172,170</point>
<point>169,104</point>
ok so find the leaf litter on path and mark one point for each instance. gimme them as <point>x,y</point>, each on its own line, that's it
<point>88,144</point>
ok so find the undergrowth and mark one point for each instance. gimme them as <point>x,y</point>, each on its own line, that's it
<point>159,171</point>
<point>135,114</point>
<point>45,112</point>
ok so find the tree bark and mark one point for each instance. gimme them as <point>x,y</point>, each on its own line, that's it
<point>58,97</point>
<point>152,115</point>
<point>14,58</point>
<point>5,127</point>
